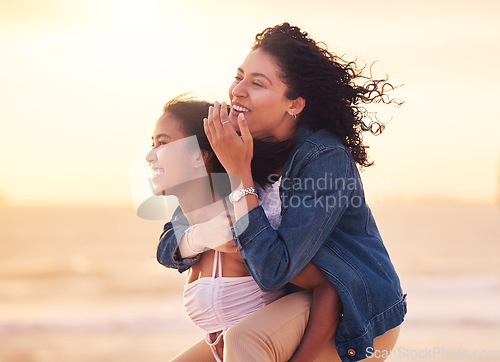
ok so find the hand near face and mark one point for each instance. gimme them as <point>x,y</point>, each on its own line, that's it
<point>234,152</point>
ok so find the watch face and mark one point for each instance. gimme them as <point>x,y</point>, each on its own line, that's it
<point>235,195</point>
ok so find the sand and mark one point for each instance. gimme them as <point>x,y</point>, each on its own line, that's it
<point>83,284</point>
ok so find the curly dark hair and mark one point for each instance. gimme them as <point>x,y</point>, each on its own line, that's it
<point>328,84</point>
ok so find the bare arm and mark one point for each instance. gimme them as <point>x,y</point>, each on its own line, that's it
<point>324,316</point>
<point>172,251</point>
<point>212,234</point>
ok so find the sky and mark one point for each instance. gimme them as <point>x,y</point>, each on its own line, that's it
<point>83,82</point>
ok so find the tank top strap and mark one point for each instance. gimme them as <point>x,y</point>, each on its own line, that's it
<point>214,267</point>
<point>214,343</point>
<point>217,340</point>
<point>220,264</point>
<point>217,261</point>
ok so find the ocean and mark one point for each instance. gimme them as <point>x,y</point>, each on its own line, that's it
<point>83,284</point>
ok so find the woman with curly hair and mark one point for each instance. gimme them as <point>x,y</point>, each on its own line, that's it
<point>292,88</point>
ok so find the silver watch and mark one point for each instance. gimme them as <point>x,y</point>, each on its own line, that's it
<point>236,195</point>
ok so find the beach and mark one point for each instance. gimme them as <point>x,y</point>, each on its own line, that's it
<point>83,284</point>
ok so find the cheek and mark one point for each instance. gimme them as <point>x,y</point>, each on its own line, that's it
<point>175,157</point>
<point>269,100</point>
<point>163,156</point>
<point>171,161</point>
<point>269,107</point>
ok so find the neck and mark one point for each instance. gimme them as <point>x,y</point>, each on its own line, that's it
<point>199,202</point>
<point>287,130</point>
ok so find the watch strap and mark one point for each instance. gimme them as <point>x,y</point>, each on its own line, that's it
<point>238,194</point>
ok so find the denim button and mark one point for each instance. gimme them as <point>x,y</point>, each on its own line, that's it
<point>351,352</point>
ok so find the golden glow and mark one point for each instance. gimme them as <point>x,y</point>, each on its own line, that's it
<point>82,84</point>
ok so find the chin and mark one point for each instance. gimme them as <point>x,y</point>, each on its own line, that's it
<point>158,190</point>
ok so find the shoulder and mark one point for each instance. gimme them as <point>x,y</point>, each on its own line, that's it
<point>322,139</point>
<point>320,145</point>
<point>316,151</point>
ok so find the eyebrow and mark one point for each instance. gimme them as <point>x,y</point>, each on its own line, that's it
<point>160,135</point>
<point>257,75</point>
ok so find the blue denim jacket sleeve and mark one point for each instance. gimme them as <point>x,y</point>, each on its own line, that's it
<point>309,215</point>
<point>167,253</point>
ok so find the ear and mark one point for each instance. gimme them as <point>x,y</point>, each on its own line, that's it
<point>297,106</point>
<point>202,158</point>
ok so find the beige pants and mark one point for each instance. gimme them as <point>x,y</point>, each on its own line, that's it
<point>272,334</point>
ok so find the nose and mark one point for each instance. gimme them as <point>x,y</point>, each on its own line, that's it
<point>151,156</point>
<point>239,89</point>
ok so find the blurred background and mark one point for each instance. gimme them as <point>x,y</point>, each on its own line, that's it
<point>81,86</point>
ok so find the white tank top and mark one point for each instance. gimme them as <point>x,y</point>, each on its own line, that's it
<point>216,303</point>
<point>269,199</point>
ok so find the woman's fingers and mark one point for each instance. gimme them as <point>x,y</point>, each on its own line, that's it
<point>233,151</point>
<point>245,132</point>
<point>209,125</point>
<point>216,119</point>
<point>224,118</point>
<point>218,124</point>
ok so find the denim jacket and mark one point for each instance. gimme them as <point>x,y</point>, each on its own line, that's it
<point>325,219</point>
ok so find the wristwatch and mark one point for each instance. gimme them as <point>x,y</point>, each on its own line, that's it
<point>236,195</point>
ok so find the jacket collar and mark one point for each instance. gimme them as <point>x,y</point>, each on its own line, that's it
<point>301,135</point>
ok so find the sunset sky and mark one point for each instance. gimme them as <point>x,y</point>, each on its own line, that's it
<point>83,82</point>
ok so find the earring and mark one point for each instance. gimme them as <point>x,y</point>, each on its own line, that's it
<point>294,116</point>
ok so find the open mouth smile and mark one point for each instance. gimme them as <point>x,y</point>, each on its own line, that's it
<point>156,173</point>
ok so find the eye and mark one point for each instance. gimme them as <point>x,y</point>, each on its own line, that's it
<point>158,143</point>
<point>257,84</point>
<point>238,78</point>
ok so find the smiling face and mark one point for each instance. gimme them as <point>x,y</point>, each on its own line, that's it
<point>174,156</point>
<point>259,93</point>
